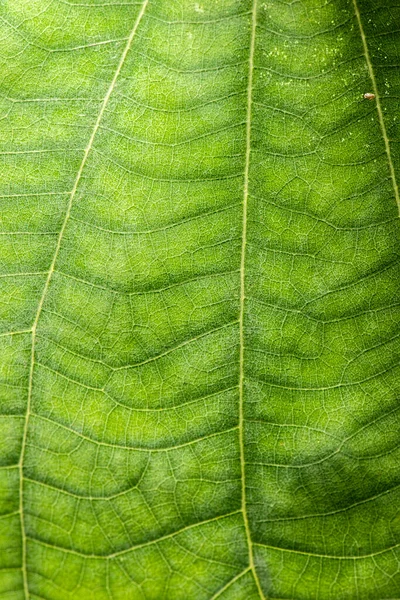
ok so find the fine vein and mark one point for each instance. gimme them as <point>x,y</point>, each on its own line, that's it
<point>378,105</point>
<point>242,296</point>
<point>48,280</point>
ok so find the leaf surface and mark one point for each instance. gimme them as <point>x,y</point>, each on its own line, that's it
<point>199,273</point>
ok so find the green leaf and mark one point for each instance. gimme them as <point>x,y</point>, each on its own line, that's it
<point>199,272</point>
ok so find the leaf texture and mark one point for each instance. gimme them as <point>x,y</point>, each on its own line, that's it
<point>199,273</point>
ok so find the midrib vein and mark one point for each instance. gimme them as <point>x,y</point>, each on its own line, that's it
<point>378,105</point>
<point>243,294</point>
<point>48,280</point>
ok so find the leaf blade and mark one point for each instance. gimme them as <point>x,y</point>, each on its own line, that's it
<point>134,472</point>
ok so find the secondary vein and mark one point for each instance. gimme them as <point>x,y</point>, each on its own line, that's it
<point>378,105</point>
<point>47,284</point>
<point>242,295</point>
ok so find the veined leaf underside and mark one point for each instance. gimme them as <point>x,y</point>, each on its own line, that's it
<point>199,353</point>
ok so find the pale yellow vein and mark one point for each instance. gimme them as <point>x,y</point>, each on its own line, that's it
<point>48,280</point>
<point>242,296</point>
<point>230,583</point>
<point>378,105</point>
